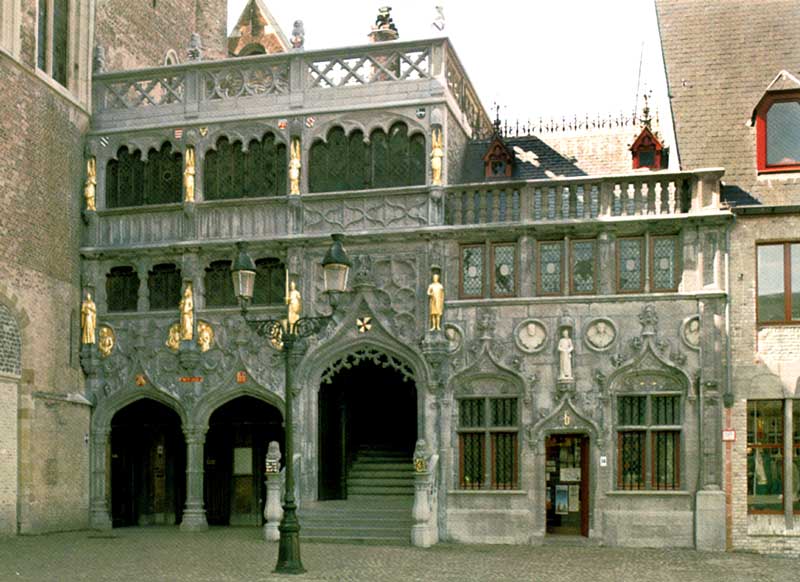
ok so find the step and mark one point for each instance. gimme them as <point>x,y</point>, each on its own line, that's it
<point>360,473</point>
<point>374,541</point>
<point>378,482</point>
<point>369,490</point>
<point>381,466</point>
<point>347,530</point>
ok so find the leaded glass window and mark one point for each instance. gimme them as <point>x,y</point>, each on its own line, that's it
<point>270,284</point>
<point>122,289</point>
<point>504,270</point>
<point>164,285</point>
<point>130,181</point>
<point>230,172</point>
<point>664,263</point>
<point>583,261</point>
<point>550,267</point>
<point>648,441</point>
<point>125,179</point>
<point>630,275</point>
<point>472,271</point>
<point>498,426</point>
<point>219,285</point>
<point>163,176</point>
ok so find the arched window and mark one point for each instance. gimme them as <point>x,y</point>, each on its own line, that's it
<point>348,162</point>
<point>270,285</point>
<point>122,289</point>
<point>130,181</point>
<point>230,172</point>
<point>219,285</point>
<point>164,284</point>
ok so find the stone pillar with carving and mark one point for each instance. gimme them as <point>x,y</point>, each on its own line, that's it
<point>273,511</point>
<point>194,514</point>
<point>99,515</point>
<point>142,269</point>
<point>424,532</point>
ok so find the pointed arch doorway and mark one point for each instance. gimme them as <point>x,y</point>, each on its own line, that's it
<point>367,429</point>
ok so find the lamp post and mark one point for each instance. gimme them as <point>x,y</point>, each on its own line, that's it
<point>336,266</point>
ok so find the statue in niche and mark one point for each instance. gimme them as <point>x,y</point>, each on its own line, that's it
<point>88,320</point>
<point>565,351</point>
<point>295,302</point>
<point>187,313</point>
<point>437,153</point>
<point>205,336</point>
<point>188,176</point>
<point>532,336</point>
<point>436,303</point>
<point>90,187</point>
<point>106,343</point>
<point>692,332</point>
<point>600,335</point>
<point>294,167</point>
<point>174,338</point>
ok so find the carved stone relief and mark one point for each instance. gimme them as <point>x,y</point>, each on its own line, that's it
<point>530,336</point>
<point>455,337</point>
<point>600,334</point>
<point>690,332</point>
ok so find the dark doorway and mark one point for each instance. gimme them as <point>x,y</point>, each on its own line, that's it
<point>567,470</point>
<point>236,444</point>
<point>366,408</point>
<point>148,465</point>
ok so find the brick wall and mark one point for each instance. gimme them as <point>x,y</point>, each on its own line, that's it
<point>8,457</point>
<point>139,34</point>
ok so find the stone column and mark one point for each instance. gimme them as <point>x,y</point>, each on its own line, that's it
<point>273,512</point>
<point>142,269</point>
<point>99,516</point>
<point>194,514</point>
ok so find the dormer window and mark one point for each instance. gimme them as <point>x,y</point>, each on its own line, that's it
<point>498,161</point>
<point>777,121</point>
<point>647,151</point>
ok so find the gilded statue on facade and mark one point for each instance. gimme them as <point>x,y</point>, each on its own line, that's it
<point>295,303</point>
<point>88,320</point>
<point>205,336</point>
<point>107,340</point>
<point>294,167</point>
<point>436,303</point>
<point>90,187</point>
<point>187,313</point>
<point>188,175</point>
<point>174,337</point>
<point>437,153</point>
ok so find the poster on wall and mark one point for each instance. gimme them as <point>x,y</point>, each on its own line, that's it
<point>574,498</point>
<point>562,499</point>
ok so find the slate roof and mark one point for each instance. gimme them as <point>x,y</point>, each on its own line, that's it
<point>721,56</point>
<point>559,154</point>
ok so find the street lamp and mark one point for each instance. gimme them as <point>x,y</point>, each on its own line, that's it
<point>336,266</point>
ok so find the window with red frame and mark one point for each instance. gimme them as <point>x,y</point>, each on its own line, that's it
<point>778,133</point>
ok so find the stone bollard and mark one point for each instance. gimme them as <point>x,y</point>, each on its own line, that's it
<point>273,512</point>
<point>421,512</point>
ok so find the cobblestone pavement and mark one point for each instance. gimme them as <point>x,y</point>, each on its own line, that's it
<point>219,555</point>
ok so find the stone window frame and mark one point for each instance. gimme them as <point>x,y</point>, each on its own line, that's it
<point>762,129</point>
<point>650,429</point>
<point>488,431</point>
<point>10,21</point>
<point>787,282</point>
<point>46,55</point>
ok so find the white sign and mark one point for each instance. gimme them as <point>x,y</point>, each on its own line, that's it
<point>603,461</point>
<point>728,435</point>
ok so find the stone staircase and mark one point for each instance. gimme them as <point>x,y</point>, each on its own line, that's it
<point>380,486</point>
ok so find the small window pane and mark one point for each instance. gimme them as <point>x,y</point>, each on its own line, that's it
<point>219,285</point>
<point>664,257</point>
<point>471,460</point>
<point>771,295</point>
<point>632,410</point>
<point>41,39</point>
<point>666,446</point>
<point>472,271</point>
<point>765,422</point>
<point>122,289</point>
<point>60,40</point>
<point>631,459</point>
<point>666,410</point>
<point>583,262</point>
<point>270,283</point>
<point>164,284</point>
<point>504,450</point>
<point>647,158</point>
<point>783,134</point>
<point>630,264</point>
<point>765,456</point>
<point>550,260</point>
<point>470,413</point>
<point>504,411</point>
<point>795,272</point>
<point>504,269</point>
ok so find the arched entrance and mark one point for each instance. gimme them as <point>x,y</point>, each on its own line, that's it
<point>367,431</point>
<point>236,444</point>
<point>148,465</point>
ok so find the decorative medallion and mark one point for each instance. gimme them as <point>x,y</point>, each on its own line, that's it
<point>420,465</point>
<point>310,121</point>
<point>174,338</point>
<point>203,131</point>
<point>364,324</point>
<point>530,336</point>
<point>690,332</point>
<point>140,380</point>
<point>600,334</point>
<point>205,336</point>
<point>454,336</point>
<point>107,341</point>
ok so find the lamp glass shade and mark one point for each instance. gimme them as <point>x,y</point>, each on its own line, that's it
<point>243,282</point>
<point>336,276</point>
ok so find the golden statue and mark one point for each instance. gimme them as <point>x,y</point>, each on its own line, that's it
<point>88,320</point>
<point>294,167</point>
<point>295,303</point>
<point>174,338</point>
<point>187,313</point>
<point>437,153</point>
<point>436,303</point>
<point>106,344</point>
<point>205,336</point>
<point>90,187</point>
<point>188,175</point>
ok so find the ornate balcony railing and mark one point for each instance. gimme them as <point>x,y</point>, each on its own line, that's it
<point>417,208</point>
<point>282,84</point>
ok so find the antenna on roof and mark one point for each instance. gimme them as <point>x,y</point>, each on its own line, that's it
<point>638,82</point>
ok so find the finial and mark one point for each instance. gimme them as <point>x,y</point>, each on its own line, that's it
<point>646,119</point>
